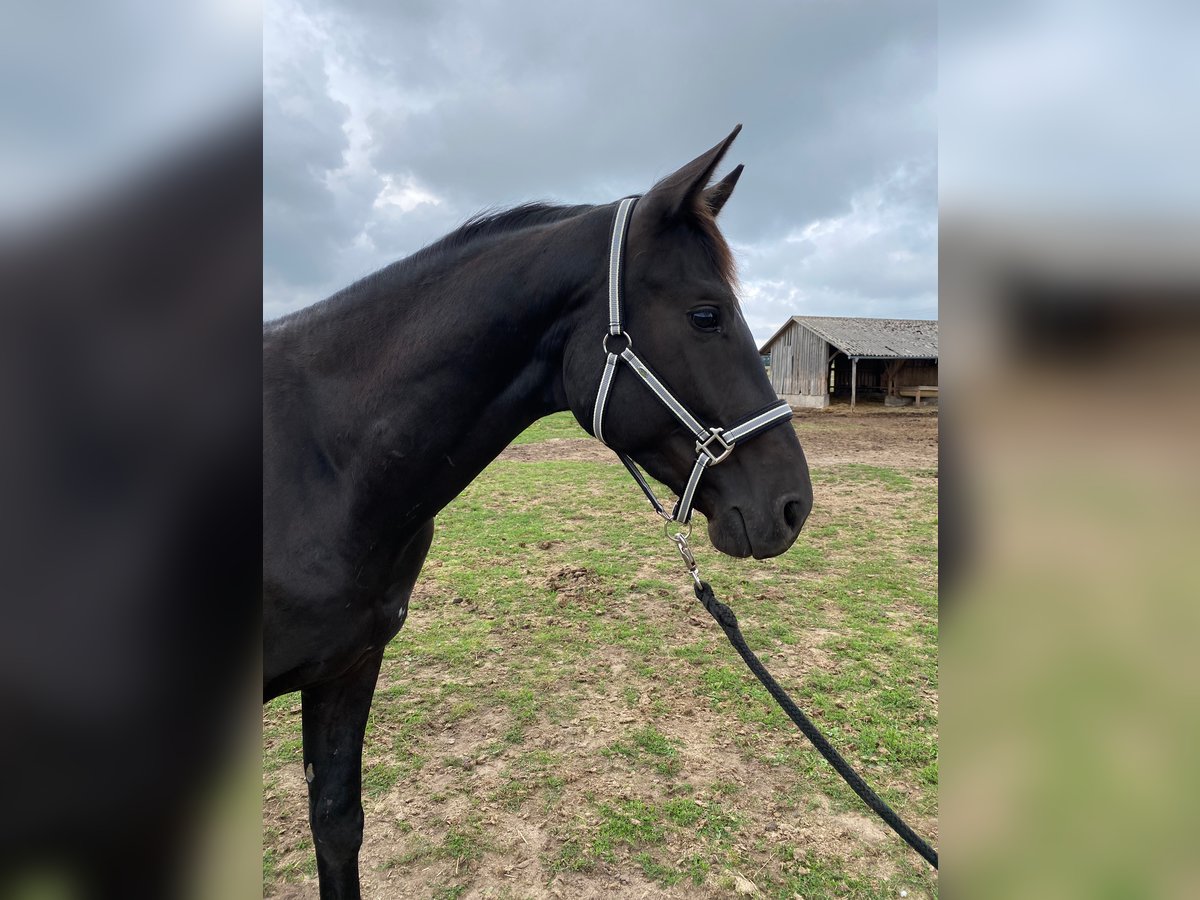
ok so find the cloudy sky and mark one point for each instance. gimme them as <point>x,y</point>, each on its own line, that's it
<point>387,124</point>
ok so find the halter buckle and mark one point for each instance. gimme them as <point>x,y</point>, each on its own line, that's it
<point>724,447</point>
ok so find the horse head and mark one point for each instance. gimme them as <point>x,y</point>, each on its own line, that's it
<point>678,302</point>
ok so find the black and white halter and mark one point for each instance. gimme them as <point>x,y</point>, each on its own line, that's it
<point>713,445</point>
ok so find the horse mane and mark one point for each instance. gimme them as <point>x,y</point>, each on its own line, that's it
<point>714,243</point>
<point>491,222</point>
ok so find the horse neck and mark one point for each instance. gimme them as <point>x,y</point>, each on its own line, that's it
<point>435,371</point>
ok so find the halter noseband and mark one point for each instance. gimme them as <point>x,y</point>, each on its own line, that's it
<point>713,445</point>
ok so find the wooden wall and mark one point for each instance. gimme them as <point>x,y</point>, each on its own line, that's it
<point>917,371</point>
<point>799,363</point>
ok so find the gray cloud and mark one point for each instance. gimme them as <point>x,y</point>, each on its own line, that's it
<point>435,110</point>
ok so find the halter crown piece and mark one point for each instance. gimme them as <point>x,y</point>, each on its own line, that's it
<point>713,445</point>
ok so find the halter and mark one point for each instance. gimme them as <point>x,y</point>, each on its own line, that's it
<point>713,445</point>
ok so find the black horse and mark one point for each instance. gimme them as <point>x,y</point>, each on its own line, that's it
<point>384,401</point>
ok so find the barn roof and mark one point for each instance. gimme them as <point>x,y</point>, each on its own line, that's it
<point>880,338</point>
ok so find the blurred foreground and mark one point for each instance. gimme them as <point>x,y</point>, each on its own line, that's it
<point>1070,316</point>
<point>1069,519</point>
<point>130,249</point>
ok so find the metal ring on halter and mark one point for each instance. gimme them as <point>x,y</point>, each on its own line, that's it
<point>667,530</point>
<point>628,339</point>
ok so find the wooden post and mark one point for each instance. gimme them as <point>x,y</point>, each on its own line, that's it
<point>853,380</point>
<point>893,372</point>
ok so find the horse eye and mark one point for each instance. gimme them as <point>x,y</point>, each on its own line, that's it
<point>706,319</point>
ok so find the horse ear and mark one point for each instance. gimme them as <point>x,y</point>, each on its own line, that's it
<point>682,191</point>
<point>715,196</point>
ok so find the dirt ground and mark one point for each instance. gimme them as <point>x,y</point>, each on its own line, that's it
<point>483,818</point>
<point>872,435</point>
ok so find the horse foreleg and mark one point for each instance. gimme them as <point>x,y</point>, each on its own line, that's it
<point>335,717</point>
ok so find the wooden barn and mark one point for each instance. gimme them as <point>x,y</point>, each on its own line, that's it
<point>816,360</point>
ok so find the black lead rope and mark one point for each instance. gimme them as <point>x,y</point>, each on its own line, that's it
<point>708,455</point>
<point>728,622</point>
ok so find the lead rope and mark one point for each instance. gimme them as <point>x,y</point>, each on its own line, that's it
<point>713,445</point>
<point>729,624</point>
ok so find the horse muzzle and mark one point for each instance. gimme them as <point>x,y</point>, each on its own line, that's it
<point>740,532</point>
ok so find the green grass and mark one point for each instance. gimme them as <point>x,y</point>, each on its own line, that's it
<point>630,823</point>
<point>379,778</point>
<point>857,472</point>
<point>650,746</point>
<point>463,845</point>
<point>574,613</point>
<point>559,425</point>
<point>642,831</point>
<point>534,773</point>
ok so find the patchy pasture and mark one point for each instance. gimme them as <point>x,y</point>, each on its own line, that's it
<point>561,718</point>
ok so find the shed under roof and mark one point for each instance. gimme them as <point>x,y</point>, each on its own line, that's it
<point>872,338</point>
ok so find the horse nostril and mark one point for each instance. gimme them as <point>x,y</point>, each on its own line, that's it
<point>795,512</point>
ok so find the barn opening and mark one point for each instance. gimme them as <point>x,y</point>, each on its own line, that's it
<point>814,361</point>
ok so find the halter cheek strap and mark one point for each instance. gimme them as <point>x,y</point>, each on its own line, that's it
<point>713,445</point>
